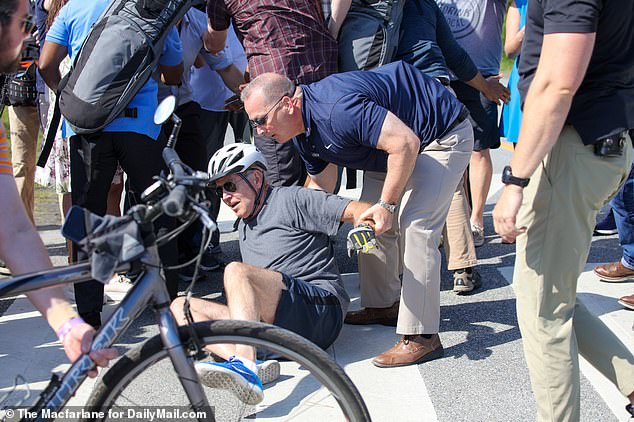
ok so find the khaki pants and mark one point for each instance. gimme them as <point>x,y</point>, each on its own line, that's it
<point>459,247</point>
<point>414,240</point>
<point>24,125</point>
<point>560,205</point>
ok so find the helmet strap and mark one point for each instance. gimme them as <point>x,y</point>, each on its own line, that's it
<point>258,194</point>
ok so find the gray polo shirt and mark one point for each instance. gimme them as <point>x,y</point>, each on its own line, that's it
<point>291,235</point>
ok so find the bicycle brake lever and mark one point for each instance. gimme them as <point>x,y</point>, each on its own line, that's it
<point>204,217</point>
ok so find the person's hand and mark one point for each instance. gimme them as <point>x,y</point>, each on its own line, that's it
<point>505,213</point>
<point>495,91</point>
<point>382,218</point>
<point>78,341</point>
<point>234,104</point>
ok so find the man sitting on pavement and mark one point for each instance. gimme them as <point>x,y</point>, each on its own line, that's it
<point>414,135</point>
<point>289,276</point>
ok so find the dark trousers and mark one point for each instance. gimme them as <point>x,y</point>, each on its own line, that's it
<point>190,146</point>
<point>93,162</point>
<point>214,126</point>
<point>623,206</point>
<point>284,166</point>
<point>192,150</point>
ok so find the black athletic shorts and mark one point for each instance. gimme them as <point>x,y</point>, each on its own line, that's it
<point>310,311</point>
<point>484,116</point>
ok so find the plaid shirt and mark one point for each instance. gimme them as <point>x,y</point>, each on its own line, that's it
<point>288,37</point>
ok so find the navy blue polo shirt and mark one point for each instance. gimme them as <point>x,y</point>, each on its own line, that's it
<point>344,113</point>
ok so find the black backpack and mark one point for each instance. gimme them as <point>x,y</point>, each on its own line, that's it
<point>20,88</point>
<point>115,61</point>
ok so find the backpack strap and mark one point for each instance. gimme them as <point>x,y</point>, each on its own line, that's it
<point>50,135</point>
<point>52,128</point>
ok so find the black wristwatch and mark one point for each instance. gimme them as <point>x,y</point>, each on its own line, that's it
<point>509,179</point>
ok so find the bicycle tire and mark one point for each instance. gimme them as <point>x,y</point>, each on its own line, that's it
<point>141,358</point>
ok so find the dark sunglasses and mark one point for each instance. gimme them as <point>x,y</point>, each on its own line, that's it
<point>259,121</point>
<point>228,186</point>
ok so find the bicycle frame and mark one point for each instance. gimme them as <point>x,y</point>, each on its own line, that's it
<point>149,289</point>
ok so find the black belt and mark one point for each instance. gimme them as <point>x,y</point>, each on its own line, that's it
<point>464,113</point>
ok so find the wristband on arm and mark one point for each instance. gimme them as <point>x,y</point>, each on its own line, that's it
<point>68,325</point>
<point>59,313</point>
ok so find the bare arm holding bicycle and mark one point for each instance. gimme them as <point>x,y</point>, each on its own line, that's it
<point>23,251</point>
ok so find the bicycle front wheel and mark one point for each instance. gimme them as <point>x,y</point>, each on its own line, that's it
<point>312,387</point>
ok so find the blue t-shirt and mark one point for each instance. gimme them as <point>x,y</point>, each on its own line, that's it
<point>71,27</point>
<point>344,113</point>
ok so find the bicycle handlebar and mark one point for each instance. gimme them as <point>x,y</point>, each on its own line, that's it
<point>174,204</point>
<point>173,161</point>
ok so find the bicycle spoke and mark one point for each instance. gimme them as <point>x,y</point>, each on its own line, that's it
<point>309,387</point>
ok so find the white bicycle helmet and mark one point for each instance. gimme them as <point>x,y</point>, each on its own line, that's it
<point>234,158</point>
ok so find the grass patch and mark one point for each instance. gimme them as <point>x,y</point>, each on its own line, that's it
<point>506,65</point>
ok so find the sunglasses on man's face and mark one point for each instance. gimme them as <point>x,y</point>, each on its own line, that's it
<point>259,121</point>
<point>226,186</point>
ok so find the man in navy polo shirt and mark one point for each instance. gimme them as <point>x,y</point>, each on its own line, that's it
<point>408,128</point>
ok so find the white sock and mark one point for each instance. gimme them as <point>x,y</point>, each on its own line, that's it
<point>248,363</point>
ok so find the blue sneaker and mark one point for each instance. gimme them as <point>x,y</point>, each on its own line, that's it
<point>233,376</point>
<point>268,370</point>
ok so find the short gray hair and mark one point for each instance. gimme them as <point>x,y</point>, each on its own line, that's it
<point>271,86</point>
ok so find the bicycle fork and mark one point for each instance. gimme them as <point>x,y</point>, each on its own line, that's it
<point>182,364</point>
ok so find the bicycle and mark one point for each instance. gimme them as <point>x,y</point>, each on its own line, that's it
<point>128,389</point>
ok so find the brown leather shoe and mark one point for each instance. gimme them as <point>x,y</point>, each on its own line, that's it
<point>365,316</point>
<point>614,272</point>
<point>627,301</point>
<point>410,350</point>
